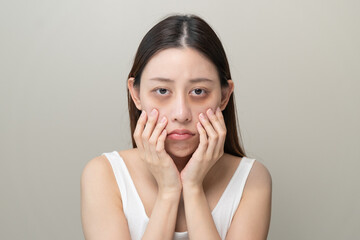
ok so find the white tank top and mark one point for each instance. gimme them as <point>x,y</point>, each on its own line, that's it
<point>135,212</point>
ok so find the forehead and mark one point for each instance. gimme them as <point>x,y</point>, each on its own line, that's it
<point>179,64</point>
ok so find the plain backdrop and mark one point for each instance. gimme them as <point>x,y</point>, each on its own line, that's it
<point>295,64</point>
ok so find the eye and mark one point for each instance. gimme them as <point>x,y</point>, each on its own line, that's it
<point>161,91</point>
<point>199,91</point>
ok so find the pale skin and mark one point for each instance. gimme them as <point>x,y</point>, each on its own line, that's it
<point>179,181</point>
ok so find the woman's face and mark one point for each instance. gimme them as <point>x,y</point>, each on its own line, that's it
<point>180,83</point>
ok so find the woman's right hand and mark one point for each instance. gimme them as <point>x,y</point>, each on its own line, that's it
<point>150,140</point>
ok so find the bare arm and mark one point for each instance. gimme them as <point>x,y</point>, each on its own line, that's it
<point>163,217</point>
<point>102,213</point>
<point>199,220</point>
<point>252,218</point>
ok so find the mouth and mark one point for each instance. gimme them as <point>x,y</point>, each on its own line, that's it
<point>180,134</point>
<point>175,136</point>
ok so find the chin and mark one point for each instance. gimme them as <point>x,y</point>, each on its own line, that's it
<point>181,149</point>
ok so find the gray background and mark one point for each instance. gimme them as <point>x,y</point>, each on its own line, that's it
<point>63,102</point>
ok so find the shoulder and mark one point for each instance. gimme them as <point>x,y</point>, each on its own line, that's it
<point>99,172</point>
<point>259,178</point>
<point>98,175</point>
<point>98,166</point>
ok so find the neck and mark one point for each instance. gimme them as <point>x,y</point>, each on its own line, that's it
<point>180,162</point>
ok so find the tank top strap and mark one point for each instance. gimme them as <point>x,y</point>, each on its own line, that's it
<point>133,207</point>
<point>224,211</point>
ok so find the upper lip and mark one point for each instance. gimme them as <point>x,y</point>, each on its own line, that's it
<point>181,131</point>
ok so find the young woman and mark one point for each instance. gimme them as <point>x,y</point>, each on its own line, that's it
<point>187,176</point>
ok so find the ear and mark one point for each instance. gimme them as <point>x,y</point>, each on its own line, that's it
<point>134,92</point>
<point>226,93</point>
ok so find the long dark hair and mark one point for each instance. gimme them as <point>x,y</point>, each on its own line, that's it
<point>178,31</point>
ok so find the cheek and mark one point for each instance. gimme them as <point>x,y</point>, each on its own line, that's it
<point>204,108</point>
<point>165,106</point>
<point>162,111</point>
<point>212,102</point>
<point>149,102</point>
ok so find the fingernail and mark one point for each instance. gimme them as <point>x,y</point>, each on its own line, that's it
<point>202,116</point>
<point>163,120</point>
<point>210,112</point>
<point>142,114</point>
<point>218,109</point>
<point>153,112</point>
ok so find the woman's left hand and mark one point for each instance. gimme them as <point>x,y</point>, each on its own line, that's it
<point>212,131</point>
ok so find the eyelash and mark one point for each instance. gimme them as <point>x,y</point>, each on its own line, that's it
<point>203,90</point>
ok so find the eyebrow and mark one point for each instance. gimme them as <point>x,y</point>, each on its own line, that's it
<point>195,80</point>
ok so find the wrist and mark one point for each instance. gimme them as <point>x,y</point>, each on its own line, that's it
<point>193,188</point>
<point>169,194</point>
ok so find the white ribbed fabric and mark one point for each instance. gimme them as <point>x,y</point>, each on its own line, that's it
<point>135,212</point>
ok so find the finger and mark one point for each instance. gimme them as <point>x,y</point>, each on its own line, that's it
<point>160,151</point>
<point>220,116</point>
<point>140,125</point>
<point>160,145</point>
<point>153,141</point>
<point>218,123</point>
<point>212,135</point>
<point>156,133</point>
<point>150,124</point>
<point>203,145</point>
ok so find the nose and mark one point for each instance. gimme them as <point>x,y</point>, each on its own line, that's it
<point>181,111</point>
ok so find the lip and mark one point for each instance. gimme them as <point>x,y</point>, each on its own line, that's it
<point>180,134</point>
<point>181,131</point>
